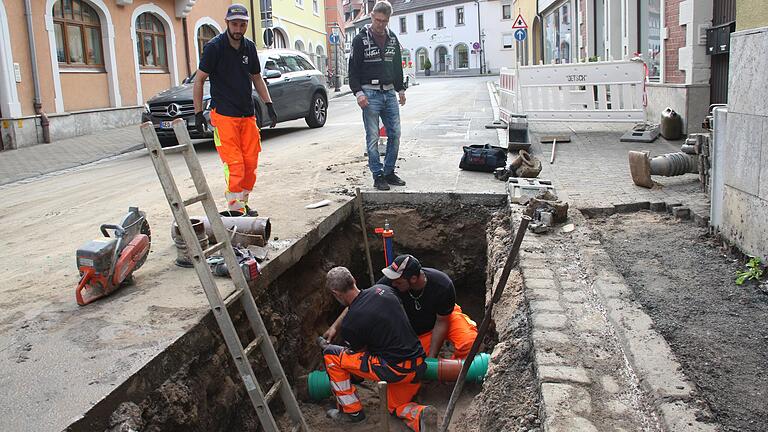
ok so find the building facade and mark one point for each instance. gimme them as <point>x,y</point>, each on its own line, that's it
<point>297,24</point>
<point>95,62</point>
<point>334,25</point>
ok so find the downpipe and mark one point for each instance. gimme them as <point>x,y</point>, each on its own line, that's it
<point>38,105</point>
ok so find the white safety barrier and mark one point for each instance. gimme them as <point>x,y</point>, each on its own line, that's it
<point>594,92</point>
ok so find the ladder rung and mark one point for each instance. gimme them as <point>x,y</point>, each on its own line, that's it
<point>215,248</point>
<point>175,149</point>
<point>194,199</point>
<point>233,297</point>
<point>254,343</point>
<point>273,391</point>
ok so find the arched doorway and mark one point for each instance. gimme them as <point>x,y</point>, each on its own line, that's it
<point>441,54</point>
<point>421,58</point>
<point>461,56</point>
<point>322,60</point>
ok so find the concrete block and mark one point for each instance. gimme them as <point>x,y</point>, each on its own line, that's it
<point>545,305</point>
<point>627,315</point>
<point>549,320</point>
<point>658,206</point>
<point>763,188</point>
<point>540,273</point>
<point>589,322</point>
<point>574,296</point>
<point>612,290</point>
<point>747,91</point>
<point>681,212</point>
<point>543,294</point>
<point>744,219</point>
<point>656,365</point>
<point>609,384</point>
<point>671,206</point>
<point>680,417</point>
<point>632,207</point>
<point>544,358</point>
<point>539,283</point>
<point>742,160</point>
<point>548,338</point>
<point>573,424</point>
<point>563,374</point>
<point>573,286</point>
<point>534,263</point>
<point>565,400</point>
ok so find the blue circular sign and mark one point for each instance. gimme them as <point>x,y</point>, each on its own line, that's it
<point>520,34</point>
<point>333,38</point>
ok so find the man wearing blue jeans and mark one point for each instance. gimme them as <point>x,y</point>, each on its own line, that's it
<point>376,79</point>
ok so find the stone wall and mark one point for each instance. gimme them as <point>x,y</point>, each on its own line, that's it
<point>745,198</point>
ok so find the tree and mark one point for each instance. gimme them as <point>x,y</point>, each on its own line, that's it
<point>427,64</point>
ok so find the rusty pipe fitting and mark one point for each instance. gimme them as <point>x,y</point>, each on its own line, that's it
<point>182,251</point>
<point>523,157</point>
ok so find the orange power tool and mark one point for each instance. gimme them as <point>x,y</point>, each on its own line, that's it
<point>106,264</point>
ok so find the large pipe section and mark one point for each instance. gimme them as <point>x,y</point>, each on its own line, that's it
<point>246,230</point>
<point>38,104</point>
<point>444,370</point>
<point>642,166</point>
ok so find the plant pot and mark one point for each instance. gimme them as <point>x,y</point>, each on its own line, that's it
<point>427,72</point>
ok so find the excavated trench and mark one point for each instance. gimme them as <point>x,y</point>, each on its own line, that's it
<point>194,386</point>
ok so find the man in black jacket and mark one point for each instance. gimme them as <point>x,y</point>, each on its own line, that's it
<point>376,79</point>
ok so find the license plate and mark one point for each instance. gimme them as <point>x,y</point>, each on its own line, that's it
<point>165,125</point>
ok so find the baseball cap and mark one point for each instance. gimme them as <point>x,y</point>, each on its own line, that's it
<point>403,265</point>
<point>237,12</point>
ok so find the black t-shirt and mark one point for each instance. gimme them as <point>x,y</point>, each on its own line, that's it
<point>230,73</point>
<point>437,298</point>
<point>376,323</point>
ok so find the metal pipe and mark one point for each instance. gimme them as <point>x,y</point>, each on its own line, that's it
<point>186,44</point>
<point>246,230</point>
<point>498,291</point>
<point>642,166</point>
<point>38,104</point>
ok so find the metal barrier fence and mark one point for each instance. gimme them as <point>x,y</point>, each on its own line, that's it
<point>595,92</point>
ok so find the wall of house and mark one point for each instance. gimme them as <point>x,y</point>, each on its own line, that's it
<point>745,198</point>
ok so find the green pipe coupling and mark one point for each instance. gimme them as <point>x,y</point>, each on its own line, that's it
<point>446,370</point>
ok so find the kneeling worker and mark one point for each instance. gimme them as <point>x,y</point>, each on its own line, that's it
<point>381,346</point>
<point>429,299</point>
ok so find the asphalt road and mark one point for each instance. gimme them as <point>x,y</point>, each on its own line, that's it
<point>58,359</point>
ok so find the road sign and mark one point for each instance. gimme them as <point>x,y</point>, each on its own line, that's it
<point>269,36</point>
<point>520,34</point>
<point>334,39</point>
<point>476,45</point>
<point>520,23</point>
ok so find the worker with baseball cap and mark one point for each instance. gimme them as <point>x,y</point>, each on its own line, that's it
<point>231,62</point>
<point>380,345</point>
<point>429,299</point>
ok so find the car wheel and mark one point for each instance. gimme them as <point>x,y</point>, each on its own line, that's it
<point>168,141</point>
<point>318,111</point>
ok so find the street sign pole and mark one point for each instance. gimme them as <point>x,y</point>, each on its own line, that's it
<point>336,40</point>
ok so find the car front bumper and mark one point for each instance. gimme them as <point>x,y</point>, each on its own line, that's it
<point>164,131</point>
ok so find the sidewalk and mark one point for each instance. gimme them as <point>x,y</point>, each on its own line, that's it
<point>33,161</point>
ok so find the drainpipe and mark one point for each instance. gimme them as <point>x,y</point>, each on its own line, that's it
<point>480,39</point>
<point>253,25</point>
<point>38,104</point>
<point>186,44</point>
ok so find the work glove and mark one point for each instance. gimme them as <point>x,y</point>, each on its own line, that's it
<point>272,114</point>
<point>201,123</point>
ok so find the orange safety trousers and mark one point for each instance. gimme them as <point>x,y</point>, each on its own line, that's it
<point>462,332</point>
<point>402,383</point>
<point>238,143</point>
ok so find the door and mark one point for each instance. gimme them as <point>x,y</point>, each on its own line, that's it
<point>723,14</point>
<point>299,83</point>
<point>277,89</point>
<point>440,58</point>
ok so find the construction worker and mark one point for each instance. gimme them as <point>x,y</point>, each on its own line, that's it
<point>376,79</point>
<point>231,61</point>
<point>380,345</point>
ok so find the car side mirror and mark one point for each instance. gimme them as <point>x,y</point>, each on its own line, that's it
<point>271,73</point>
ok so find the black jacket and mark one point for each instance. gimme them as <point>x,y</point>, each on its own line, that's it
<point>369,62</point>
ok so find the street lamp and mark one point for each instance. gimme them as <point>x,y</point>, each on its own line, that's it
<point>336,80</point>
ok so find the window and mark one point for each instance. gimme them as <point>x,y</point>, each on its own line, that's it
<point>460,15</point>
<point>420,22</point>
<point>507,41</point>
<point>439,19</point>
<point>557,36</point>
<point>461,57</point>
<point>204,34</point>
<point>298,46</point>
<point>150,42</point>
<point>649,36</point>
<point>299,3</point>
<point>506,12</point>
<point>78,34</point>
<point>402,25</point>
<point>280,40</point>
<point>315,7</point>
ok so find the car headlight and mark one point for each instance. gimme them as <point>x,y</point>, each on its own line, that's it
<point>146,108</point>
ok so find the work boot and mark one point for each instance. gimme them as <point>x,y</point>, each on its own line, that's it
<point>380,183</point>
<point>428,419</point>
<point>250,212</point>
<point>394,180</point>
<point>339,416</point>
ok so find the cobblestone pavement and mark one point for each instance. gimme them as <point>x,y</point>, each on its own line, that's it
<point>33,161</point>
<point>600,364</point>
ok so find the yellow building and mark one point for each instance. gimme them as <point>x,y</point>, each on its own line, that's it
<point>297,24</point>
<point>528,52</point>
